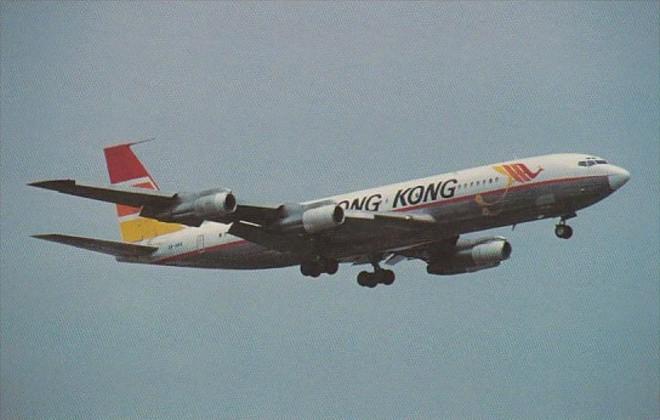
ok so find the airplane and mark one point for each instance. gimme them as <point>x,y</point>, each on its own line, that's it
<point>419,219</point>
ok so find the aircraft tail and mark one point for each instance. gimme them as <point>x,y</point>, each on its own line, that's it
<point>125,169</point>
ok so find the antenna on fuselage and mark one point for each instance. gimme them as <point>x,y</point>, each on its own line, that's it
<point>143,141</point>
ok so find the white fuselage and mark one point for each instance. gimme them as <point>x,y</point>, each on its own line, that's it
<point>463,201</point>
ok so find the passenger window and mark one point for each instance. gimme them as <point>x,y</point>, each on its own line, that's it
<point>602,162</point>
<point>582,163</point>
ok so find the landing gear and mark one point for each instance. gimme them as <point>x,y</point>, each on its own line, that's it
<point>314,268</point>
<point>379,276</point>
<point>562,230</point>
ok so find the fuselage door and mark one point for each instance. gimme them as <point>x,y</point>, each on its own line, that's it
<point>200,244</point>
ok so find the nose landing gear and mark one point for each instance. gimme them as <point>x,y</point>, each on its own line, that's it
<point>562,230</point>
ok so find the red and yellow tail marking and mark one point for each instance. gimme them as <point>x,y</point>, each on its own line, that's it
<point>126,169</point>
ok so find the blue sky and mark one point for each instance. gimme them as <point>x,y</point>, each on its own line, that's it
<point>292,101</point>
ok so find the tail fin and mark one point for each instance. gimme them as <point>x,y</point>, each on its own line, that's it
<point>126,169</point>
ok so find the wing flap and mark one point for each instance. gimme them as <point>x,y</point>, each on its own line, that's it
<point>379,221</point>
<point>277,241</point>
<point>118,249</point>
<point>130,196</point>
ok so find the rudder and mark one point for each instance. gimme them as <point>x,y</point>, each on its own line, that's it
<point>125,169</point>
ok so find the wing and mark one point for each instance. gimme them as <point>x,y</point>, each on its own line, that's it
<point>118,249</point>
<point>130,196</point>
<point>372,221</point>
<point>156,202</point>
<point>360,229</point>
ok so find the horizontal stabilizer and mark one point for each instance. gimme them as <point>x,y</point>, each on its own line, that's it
<point>130,196</point>
<point>118,249</point>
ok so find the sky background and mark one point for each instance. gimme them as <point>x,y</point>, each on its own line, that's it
<point>293,101</point>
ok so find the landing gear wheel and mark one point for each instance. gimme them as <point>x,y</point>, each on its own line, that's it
<point>387,277</point>
<point>366,279</point>
<point>310,269</point>
<point>331,266</point>
<point>563,231</point>
<point>305,269</point>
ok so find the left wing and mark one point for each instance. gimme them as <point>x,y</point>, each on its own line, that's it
<point>358,227</point>
<point>387,220</point>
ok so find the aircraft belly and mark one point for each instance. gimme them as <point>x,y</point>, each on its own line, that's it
<point>504,208</point>
<point>241,255</point>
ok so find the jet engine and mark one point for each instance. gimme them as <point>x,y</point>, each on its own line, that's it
<point>215,205</point>
<point>470,256</point>
<point>314,220</point>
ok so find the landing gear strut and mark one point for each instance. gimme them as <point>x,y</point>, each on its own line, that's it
<point>562,230</point>
<point>314,268</point>
<point>379,276</point>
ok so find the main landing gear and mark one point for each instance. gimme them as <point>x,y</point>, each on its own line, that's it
<point>562,230</point>
<point>379,276</point>
<point>315,268</point>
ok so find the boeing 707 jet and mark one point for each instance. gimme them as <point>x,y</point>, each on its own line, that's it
<point>420,219</point>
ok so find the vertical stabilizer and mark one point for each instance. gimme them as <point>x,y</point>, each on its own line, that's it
<point>125,169</point>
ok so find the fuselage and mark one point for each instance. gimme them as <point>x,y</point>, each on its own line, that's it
<point>485,197</point>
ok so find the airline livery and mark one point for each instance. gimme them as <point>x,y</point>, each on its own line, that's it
<point>420,219</point>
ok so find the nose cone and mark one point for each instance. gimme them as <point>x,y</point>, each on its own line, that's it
<point>617,177</point>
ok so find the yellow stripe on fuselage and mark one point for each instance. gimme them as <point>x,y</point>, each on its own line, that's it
<point>142,228</point>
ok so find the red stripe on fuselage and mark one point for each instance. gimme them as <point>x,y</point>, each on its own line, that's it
<point>197,251</point>
<point>415,207</point>
<point>486,193</point>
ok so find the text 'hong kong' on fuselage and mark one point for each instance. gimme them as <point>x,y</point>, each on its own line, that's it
<point>419,219</point>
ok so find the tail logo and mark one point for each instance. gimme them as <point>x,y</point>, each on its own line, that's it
<point>517,172</point>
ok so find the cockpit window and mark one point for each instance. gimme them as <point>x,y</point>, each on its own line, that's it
<point>592,161</point>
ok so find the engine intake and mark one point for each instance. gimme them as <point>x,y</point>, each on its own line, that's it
<point>214,205</point>
<point>219,204</point>
<point>312,220</point>
<point>472,256</point>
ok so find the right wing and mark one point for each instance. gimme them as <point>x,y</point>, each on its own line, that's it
<point>129,196</point>
<point>155,202</point>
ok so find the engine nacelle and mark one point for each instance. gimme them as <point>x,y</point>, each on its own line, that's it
<point>218,204</point>
<point>472,256</point>
<point>215,205</point>
<point>313,220</point>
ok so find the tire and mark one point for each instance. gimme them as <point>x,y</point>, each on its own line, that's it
<point>388,277</point>
<point>331,266</point>
<point>305,269</point>
<point>563,231</point>
<point>363,278</point>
